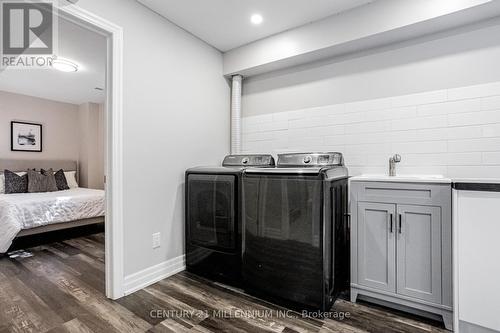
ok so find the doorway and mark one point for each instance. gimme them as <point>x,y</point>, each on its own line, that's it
<point>113,148</point>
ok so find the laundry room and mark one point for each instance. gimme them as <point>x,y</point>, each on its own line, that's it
<point>264,166</point>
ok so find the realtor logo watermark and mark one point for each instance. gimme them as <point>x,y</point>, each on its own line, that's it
<point>29,33</point>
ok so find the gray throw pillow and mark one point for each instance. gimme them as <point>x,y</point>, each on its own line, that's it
<point>38,182</point>
<point>61,182</point>
<point>15,183</point>
<point>60,178</point>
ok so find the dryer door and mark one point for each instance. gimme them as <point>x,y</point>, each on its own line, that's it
<point>211,217</point>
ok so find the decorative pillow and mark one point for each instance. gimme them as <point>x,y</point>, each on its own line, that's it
<point>2,184</point>
<point>71,179</point>
<point>51,181</point>
<point>15,183</point>
<point>61,182</point>
<point>38,182</point>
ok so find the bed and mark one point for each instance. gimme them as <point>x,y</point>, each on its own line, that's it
<point>34,213</point>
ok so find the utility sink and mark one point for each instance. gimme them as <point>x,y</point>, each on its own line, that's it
<point>403,178</point>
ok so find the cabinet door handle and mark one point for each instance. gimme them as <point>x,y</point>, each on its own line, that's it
<point>391,222</point>
<point>400,229</point>
<point>348,220</point>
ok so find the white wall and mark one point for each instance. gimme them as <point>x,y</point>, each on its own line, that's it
<point>406,99</point>
<point>176,115</point>
<point>59,120</point>
<point>91,148</point>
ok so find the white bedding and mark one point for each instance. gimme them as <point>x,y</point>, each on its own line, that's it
<point>30,210</point>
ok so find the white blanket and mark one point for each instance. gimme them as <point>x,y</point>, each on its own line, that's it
<point>31,210</point>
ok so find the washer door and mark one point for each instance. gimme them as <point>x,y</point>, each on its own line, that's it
<point>211,218</point>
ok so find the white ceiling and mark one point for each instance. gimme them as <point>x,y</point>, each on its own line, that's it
<point>225,24</point>
<point>85,47</point>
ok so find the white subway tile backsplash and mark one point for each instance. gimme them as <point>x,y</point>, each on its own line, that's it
<point>259,136</point>
<point>356,160</point>
<point>471,158</point>
<point>367,105</point>
<point>296,114</point>
<point>348,118</point>
<point>467,105</point>
<point>435,159</point>
<point>480,145</point>
<point>417,123</point>
<point>280,116</point>
<point>368,127</point>
<point>491,158</point>
<point>419,99</point>
<point>382,148</point>
<point>393,113</point>
<point>422,170</point>
<point>378,137</point>
<point>482,90</point>
<point>433,134</point>
<point>275,126</point>
<point>454,132</point>
<point>420,147</point>
<point>490,103</point>
<point>335,140</point>
<point>474,118</point>
<point>465,132</point>
<point>329,130</point>
<point>402,136</point>
<point>491,130</point>
<point>264,118</point>
<point>299,123</point>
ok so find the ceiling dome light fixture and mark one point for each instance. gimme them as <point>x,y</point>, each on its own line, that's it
<point>64,65</point>
<point>256,19</point>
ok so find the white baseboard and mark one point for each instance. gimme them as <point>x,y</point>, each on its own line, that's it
<point>151,275</point>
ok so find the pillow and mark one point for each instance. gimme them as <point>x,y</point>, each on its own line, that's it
<point>61,182</point>
<point>2,184</point>
<point>71,179</point>
<point>15,183</point>
<point>59,178</point>
<point>38,182</point>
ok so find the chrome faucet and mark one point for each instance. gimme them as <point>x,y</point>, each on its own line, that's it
<point>392,164</point>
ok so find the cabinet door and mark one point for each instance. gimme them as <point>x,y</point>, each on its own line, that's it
<point>377,246</point>
<point>419,252</point>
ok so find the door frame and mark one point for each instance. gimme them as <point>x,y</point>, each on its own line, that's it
<point>114,142</point>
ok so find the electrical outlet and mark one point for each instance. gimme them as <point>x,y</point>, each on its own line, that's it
<point>156,240</point>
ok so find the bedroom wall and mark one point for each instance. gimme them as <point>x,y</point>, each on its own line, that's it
<point>435,101</point>
<point>91,145</point>
<point>59,120</point>
<point>176,115</point>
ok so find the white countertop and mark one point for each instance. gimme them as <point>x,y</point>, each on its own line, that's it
<point>403,178</point>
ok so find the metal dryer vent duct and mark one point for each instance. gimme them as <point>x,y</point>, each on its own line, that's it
<point>236,114</point>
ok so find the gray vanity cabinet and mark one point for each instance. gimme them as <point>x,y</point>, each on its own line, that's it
<point>419,252</point>
<point>377,269</point>
<point>401,245</point>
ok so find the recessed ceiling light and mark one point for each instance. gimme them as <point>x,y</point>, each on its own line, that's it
<point>256,19</point>
<point>64,65</point>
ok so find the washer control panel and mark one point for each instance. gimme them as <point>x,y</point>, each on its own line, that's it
<point>249,160</point>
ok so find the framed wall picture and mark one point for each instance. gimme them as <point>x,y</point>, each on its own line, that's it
<point>25,136</point>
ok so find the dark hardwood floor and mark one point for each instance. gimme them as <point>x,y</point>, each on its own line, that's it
<point>61,289</point>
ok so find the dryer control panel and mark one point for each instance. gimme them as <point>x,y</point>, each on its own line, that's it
<point>310,160</point>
